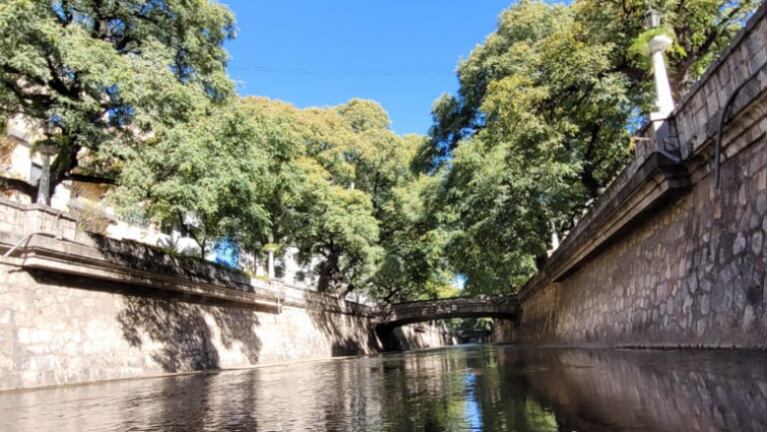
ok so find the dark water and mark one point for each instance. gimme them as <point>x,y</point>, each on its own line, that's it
<point>492,388</point>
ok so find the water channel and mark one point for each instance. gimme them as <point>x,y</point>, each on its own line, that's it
<point>468,388</point>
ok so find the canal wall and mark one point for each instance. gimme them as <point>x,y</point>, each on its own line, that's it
<point>664,257</point>
<point>643,389</point>
<point>77,307</point>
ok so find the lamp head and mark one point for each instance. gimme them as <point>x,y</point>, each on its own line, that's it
<point>652,19</point>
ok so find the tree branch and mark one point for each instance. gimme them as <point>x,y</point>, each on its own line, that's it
<point>82,178</point>
<point>12,184</point>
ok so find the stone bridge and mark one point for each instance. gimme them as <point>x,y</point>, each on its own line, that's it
<point>505,307</point>
<point>397,315</point>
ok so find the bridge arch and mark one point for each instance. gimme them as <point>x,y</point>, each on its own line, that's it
<point>399,314</point>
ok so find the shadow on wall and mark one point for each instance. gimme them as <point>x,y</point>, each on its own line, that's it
<point>139,256</point>
<point>180,333</point>
<point>189,332</point>
<point>348,334</point>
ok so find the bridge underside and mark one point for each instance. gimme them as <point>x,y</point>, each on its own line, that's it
<point>390,342</point>
<point>448,315</point>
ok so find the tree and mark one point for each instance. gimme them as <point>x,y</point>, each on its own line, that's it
<point>542,119</point>
<point>358,206</point>
<point>338,227</point>
<point>314,205</point>
<point>109,73</point>
<point>213,178</point>
<point>413,265</point>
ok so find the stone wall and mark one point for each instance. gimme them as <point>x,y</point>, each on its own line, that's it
<point>58,329</point>
<point>424,335</point>
<point>685,270</point>
<point>77,307</point>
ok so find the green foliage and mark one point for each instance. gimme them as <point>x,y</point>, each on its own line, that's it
<point>206,176</point>
<point>540,123</point>
<point>91,219</point>
<point>413,266</point>
<point>139,93</point>
<point>110,73</point>
<point>334,182</point>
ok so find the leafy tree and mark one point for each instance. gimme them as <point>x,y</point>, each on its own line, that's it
<point>314,204</point>
<point>109,73</point>
<point>337,225</point>
<point>358,204</point>
<point>413,265</point>
<point>542,119</point>
<point>212,178</point>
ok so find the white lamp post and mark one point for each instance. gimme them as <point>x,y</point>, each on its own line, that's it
<point>46,150</point>
<point>658,45</point>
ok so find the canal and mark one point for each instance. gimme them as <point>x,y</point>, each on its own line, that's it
<point>469,388</point>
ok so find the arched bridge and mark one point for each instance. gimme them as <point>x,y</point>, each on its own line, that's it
<point>398,314</point>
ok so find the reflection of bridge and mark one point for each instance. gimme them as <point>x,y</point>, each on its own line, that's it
<point>501,307</point>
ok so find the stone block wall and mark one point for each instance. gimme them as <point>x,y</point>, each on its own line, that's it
<point>691,271</point>
<point>26,219</point>
<point>57,329</point>
<point>692,275</point>
<point>77,307</point>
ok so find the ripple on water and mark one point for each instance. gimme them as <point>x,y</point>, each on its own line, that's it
<point>493,388</point>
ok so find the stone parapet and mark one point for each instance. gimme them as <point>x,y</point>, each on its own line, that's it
<point>45,239</point>
<point>26,219</point>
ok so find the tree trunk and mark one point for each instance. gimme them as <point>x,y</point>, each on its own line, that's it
<point>329,273</point>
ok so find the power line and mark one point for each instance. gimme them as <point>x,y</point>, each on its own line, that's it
<point>342,72</point>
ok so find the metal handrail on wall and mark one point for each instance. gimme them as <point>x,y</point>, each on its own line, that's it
<point>26,239</point>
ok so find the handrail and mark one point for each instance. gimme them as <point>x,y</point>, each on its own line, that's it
<point>26,238</point>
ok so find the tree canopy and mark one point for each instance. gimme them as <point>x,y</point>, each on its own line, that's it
<point>109,74</point>
<point>137,94</point>
<point>542,120</point>
<point>334,182</point>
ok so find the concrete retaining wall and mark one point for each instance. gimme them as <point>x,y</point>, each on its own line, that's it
<point>60,329</point>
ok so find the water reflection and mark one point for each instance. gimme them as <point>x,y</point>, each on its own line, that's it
<point>492,388</point>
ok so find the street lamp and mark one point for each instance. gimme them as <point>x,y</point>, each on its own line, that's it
<point>46,148</point>
<point>658,45</point>
<point>652,19</point>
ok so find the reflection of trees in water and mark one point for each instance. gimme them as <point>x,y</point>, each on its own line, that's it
<point>457,390</point>
<point>498,388</point>
<point>504,396</point>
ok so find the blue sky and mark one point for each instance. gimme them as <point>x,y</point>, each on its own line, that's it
<point>401,53</point>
